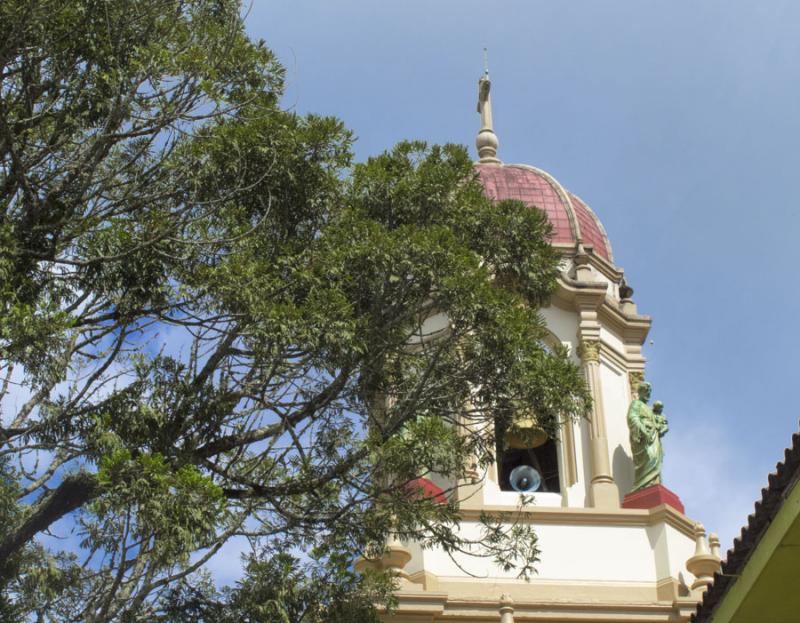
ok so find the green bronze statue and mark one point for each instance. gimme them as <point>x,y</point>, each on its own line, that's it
<point>647,426</point>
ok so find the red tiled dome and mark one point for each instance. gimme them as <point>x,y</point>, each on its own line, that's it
<point>571,218</point>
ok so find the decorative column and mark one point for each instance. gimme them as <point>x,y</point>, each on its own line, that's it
<point>626,304</point>
<point>469,489</point>
<point>506,608</point>
<point>604,491</point>
<point>395,556</point>
<point>581,263</point>
<point>704,564</point>
<point>713,543</point>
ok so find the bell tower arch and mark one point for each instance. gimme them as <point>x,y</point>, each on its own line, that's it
<point>609,551</point>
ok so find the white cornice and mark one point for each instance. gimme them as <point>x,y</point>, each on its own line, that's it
<point>592,516</point>
<point>632,328</point>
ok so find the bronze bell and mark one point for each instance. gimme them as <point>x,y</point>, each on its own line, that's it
<point>525,432</point>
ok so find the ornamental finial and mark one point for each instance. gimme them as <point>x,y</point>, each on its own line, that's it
<point>506,608</point>
<point>487,141</point>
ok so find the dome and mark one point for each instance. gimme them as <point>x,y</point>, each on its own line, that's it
<point>571,218</point>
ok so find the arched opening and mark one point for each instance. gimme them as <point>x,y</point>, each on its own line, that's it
<point>543,459</point>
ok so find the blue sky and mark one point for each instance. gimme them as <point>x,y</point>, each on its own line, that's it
<point>676,121</point>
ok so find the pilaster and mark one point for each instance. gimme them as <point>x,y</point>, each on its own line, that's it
<point>603,490</point>
<point>469,491</point>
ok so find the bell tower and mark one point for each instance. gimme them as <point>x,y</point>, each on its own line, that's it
<point>615,545</point>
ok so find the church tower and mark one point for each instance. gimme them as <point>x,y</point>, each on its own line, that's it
<point>611,548</point>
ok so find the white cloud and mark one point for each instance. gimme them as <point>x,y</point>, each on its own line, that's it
<point>226,565</point>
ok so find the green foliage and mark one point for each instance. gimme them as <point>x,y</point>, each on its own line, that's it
<point>281,589</point>
<point>216,325</point>
<point>177,508</point>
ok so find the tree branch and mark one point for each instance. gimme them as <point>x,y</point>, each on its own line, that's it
<point>73,492</point>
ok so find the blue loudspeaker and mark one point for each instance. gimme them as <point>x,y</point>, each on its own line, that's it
<point>524,479</point>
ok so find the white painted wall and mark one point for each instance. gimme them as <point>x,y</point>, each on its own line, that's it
<point>612,339</point>
<point>562,323</point>
<point>494,496</point>
<point>575,553</point>
<point>680,548</point>
<point>432,327</point>
<point>576,496</point>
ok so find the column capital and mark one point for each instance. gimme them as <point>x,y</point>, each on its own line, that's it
<point>589,351</point>
<point>635,377</point>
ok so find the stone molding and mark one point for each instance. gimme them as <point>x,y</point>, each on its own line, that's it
<point>632,329</point>
<point>600,264</point>
<point>593,608</point>
<point>612,357</point>
<point>592,516</point>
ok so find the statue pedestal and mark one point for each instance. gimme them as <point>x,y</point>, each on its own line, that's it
<point>424,488</point>
<point>652,496</point>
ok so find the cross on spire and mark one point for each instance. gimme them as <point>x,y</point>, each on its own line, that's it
<point>487,141</point>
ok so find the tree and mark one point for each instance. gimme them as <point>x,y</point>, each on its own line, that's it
<point>212,325</point>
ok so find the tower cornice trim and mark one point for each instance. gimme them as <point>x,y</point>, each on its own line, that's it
<point>592,516</point>
<point>632,328</point>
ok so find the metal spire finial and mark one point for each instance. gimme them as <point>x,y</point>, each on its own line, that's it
<point>487,141</point>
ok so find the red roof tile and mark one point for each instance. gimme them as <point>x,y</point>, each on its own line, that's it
<point>571,218</point>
